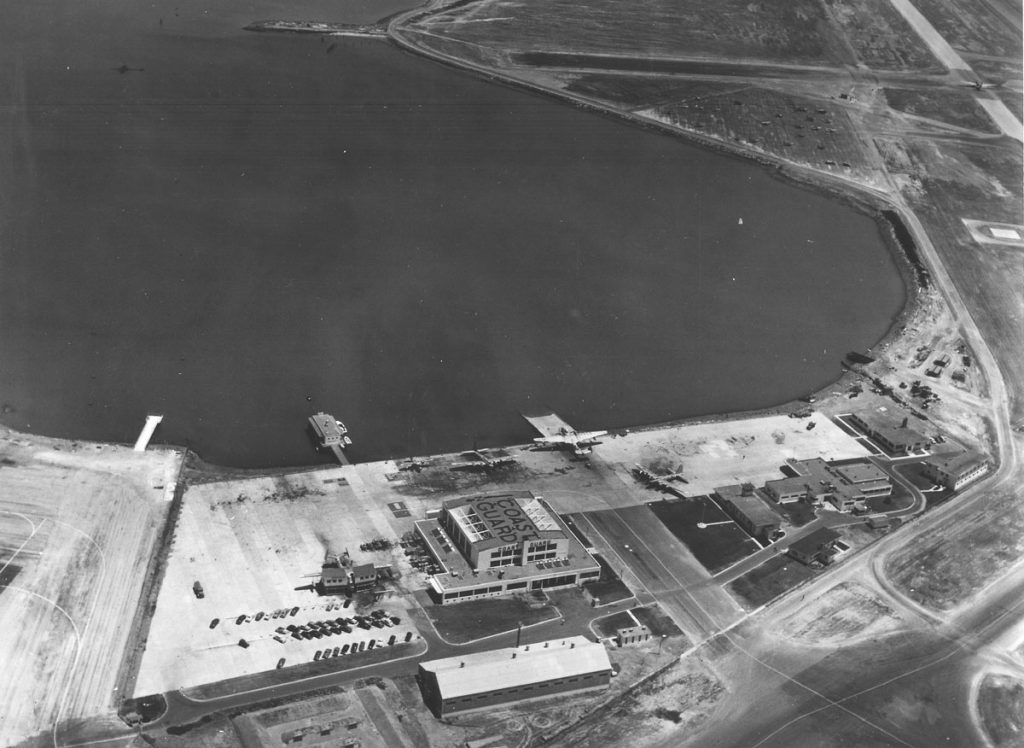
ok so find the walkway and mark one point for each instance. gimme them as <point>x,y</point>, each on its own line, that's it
<point>147,432</point>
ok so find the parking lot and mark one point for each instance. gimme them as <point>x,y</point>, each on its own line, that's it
<point>256,546</point>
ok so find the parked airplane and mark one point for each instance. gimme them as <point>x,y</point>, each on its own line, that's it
<point>580,442</point>
<point>979,85</point>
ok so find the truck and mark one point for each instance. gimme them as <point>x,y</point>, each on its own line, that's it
<point>197,588</point>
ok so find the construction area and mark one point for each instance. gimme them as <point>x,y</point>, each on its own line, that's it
<point>79,524</point>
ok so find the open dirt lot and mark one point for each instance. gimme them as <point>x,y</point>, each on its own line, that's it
<point>256,545</point>
<point>362,714</point>
<point>728,452</point>
<point>844,612</point>
<point>675,702</point>
<point>78,523</point>
<point>944,567</point>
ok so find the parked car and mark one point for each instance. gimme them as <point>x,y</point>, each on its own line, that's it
<point>214,622</point>
<point>345,648</point>
<point>318,655</point>
<point>280,663</point>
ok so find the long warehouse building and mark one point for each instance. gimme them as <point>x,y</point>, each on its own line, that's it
<point>505,676</point>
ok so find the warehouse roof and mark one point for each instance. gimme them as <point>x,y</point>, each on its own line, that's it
<point>750,505</point>
<point>861,472</point>
<point>958,463</point>
<point>512,667</point>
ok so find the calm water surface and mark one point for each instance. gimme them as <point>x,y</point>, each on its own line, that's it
<point>256,227</point>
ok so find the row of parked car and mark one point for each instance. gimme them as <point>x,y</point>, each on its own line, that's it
<point>323,654</point>
<point>280,613</point>
<point>319,629</point>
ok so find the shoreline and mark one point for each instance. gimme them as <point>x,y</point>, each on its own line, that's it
<point>868,201</point>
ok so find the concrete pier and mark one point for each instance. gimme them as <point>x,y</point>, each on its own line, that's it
<point>549,424</point>
<point>340,454</point>
<point>147,432</point>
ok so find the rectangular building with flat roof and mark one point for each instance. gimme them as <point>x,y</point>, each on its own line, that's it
<point>954,471</point>
<point>890,431</point>
<point>499,544</point>
<point>503,529</point>
<point>483,680</point>
<point>746,508</point>
<point>845,486</point>
<point>815,547</point>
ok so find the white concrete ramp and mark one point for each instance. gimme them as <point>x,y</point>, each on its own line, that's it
<point>549,424</point>
<point>147,432</point>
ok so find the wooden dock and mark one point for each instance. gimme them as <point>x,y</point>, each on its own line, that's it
<point>147,432</point>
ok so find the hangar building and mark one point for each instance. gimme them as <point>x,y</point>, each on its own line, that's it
<point>506,676</point>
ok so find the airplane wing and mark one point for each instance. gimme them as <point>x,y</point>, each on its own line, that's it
<point>571,439</point>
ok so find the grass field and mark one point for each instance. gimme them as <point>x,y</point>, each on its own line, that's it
<point>655,619</point>
<point>974,27</point>
<point>608,625</point>
<point>475,619</point>
<point>769,29</point>
<point>608,588</point>
<point>880,37</point>
<point>1001,705</point>
<point>716,546</point>
<point>952,107</point>
<point>814,132</point>
<point>769,580</point>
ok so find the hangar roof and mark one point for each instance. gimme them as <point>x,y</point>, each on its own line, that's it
<point>512,667</point>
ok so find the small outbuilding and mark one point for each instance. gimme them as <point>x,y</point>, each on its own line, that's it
<point>816,547</point>
<point>632,635</point>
